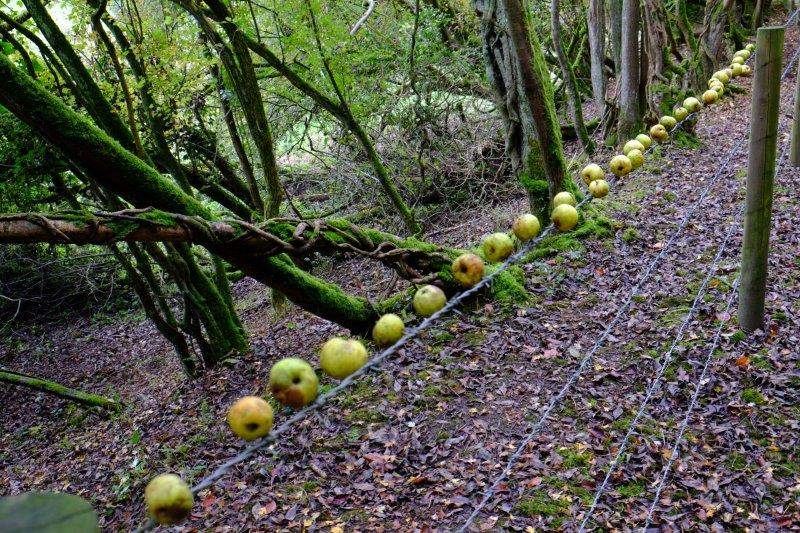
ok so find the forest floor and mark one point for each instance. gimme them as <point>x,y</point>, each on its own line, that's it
<point>414,445</point>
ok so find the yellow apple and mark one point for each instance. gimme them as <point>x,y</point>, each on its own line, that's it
<point>341,357</point>
<point>692,104</point>
<point>250,417</point>
<point>293,382</point>
<point>599,188</point>
<point>737,60</point>
<point>750,47</point>
<point>710,96</point>
<point>564,217</point>
<point>633,145</point>
<point>468,269</point>
<point>737,70</point>
<point>168,499</point>
<point>564,197</point>
<point>428,299</point>
<point>680,113</point>
<point>746,70</point>
<point>645,140</point>
<point>668,122</point>
<point>620,165</point>
<point>389,329</point>
<point>637,159</point>
<point>526,227</point>
<point>659,133</point>
<point>497,247</point>
<point>592,172</point>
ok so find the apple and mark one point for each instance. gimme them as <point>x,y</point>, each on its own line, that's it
<point>497,247</point>
<point>599,188</point>
<point>429,299</point>
<point>250,417</point>
<point>710,96</point>
<point>592,172</point>
<point>620,165</point>
<point>633,145</point>
<point>168,499</point>
<point>390,328</point>
<point>728,72</point>
<point>527,226</point>
<point>341,357</point>
<point>564,217</point>
<point>293,382</point>
<point>722,76</point>
<point>564,197</point>
<point>467,269</point>
<point>637,159</point>
<point>737,70</point>
<point>750,47</point>
<point>692,104</point>
<point>717,87</point>
<point>714,81</point>
<point>668,122</point>
<point>744,54</point>
<point>680,113</point>
<point>659,133</point>
<point>645,140</point>
<point>737,60</point>
<point>746,70</point>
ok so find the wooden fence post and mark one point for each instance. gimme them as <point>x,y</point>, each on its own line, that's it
<point>760,174</point>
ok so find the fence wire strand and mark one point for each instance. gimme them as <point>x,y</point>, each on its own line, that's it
<point>536,427</point>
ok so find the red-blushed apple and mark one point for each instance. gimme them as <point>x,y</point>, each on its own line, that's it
<point>526,227</point>
<point>168,499</point>
<point>497,247</point>
<point>341,357</point>
<point>468,269</point>
<point>250,417</point>
<point>389,329</point>
<point>620,165</point>
<point>564,217</point>
<point>293,382</point>
<point>428,299</point>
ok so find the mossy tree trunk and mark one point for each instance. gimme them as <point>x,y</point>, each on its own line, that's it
<point>628,85</point>
<point>596,24</point>
<point>57,389</point>
<point>520,81</point>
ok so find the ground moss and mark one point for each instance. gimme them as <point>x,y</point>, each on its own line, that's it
<point>509,286</point>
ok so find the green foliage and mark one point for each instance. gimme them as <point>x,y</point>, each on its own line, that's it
<point>47,512</point>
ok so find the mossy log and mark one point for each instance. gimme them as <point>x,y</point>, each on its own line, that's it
<point>51,387</point>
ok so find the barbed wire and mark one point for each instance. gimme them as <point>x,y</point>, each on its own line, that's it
<point>735,225</point>
<point>696,394</point>
<point>536,427</point>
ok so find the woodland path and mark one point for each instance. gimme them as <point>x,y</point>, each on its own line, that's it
<point>413,446</point>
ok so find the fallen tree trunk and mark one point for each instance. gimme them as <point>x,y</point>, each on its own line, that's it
<point>51,387</point>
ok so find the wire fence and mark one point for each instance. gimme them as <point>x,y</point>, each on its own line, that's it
<point>537,426</point>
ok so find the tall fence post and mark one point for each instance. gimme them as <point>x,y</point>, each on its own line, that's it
<point>760,174</point>
<point>795,146</point>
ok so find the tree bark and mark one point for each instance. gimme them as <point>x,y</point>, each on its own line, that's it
<point>629,102</point>
<point>616,35</point>
<point>596,23</point>
<point>573,98</point>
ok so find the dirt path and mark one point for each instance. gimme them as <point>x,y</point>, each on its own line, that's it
<point>414,446</point>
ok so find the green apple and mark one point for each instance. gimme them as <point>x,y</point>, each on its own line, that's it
<point>293,382</point>
<point>645,140</point>
<point>737,70</point>
<point>668,122</point>
<point>692,104</point>
<point>467,269</point>
<point>599,188</point>
<point>390,328</point>
<point>564,217</point>
<point>429,299</point>
<point>497,247</point>
<point>718,87</point>
<point>250,417</point>
<point>341,357</point>
<point>722,76</point>
<point>750,47</point>
<point>659,133</point>
<point>526,227</point>
<point>168,499</point>
<point>637,159</point>
<point>680,113</point>
<point>620,165</point>
<point>728,72</point>
<point>710,96</point>
<point>737,60</point>
<point>633,145</point>
<point>592,172</point>
<point>744,54</point>
<point>564,197</point>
